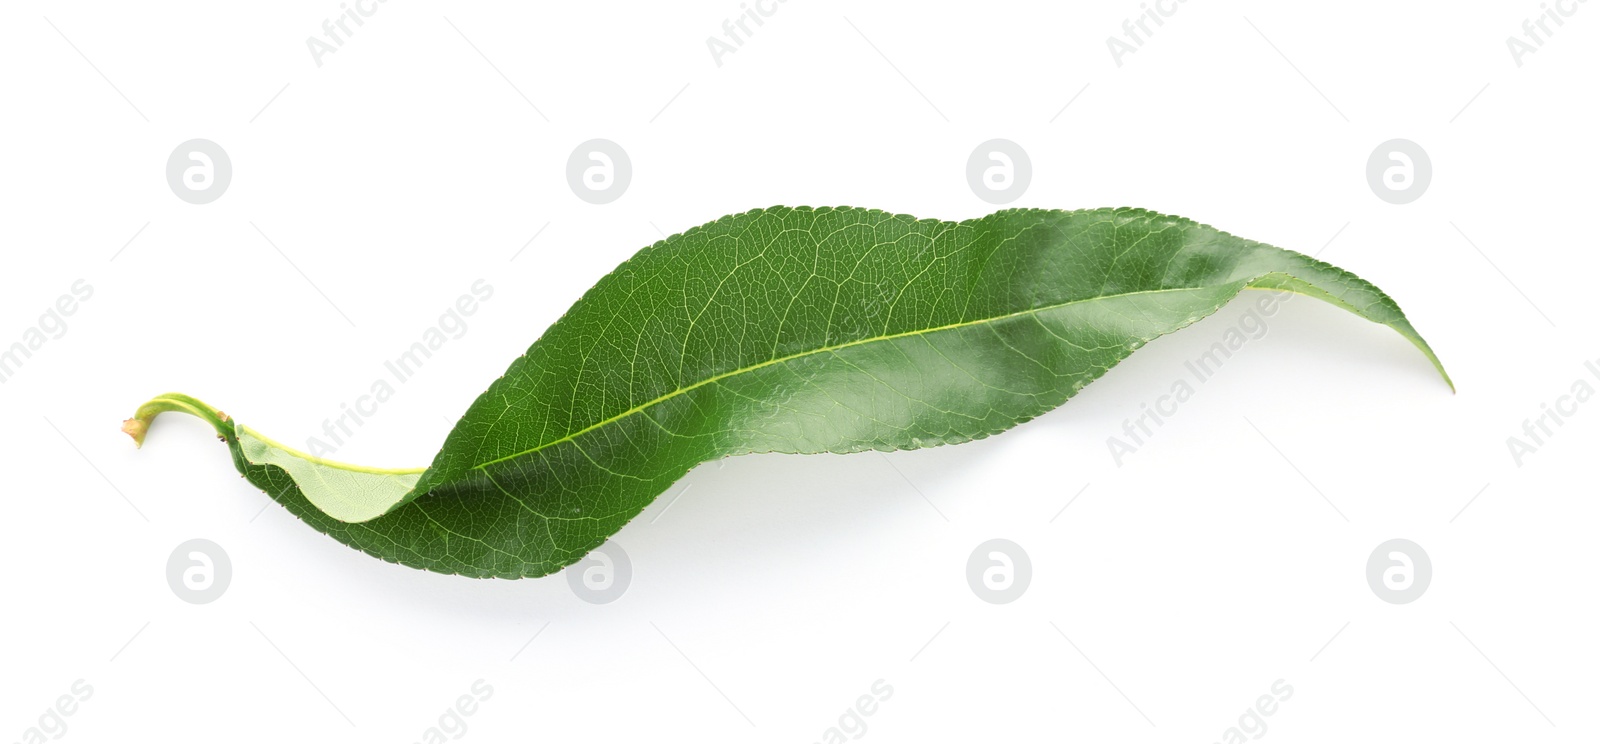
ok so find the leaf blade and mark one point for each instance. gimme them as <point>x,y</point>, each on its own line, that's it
<point>806,331</point>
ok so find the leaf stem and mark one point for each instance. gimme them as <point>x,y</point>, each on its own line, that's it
<point>139,425</point>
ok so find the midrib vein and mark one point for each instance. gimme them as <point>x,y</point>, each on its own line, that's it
<point>821,350</point>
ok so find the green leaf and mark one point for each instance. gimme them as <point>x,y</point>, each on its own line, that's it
<point>780,330</point>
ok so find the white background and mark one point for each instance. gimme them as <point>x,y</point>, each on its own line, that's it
<point>775,590</point>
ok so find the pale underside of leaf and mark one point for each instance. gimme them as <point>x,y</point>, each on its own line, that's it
<point>347,493</point>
